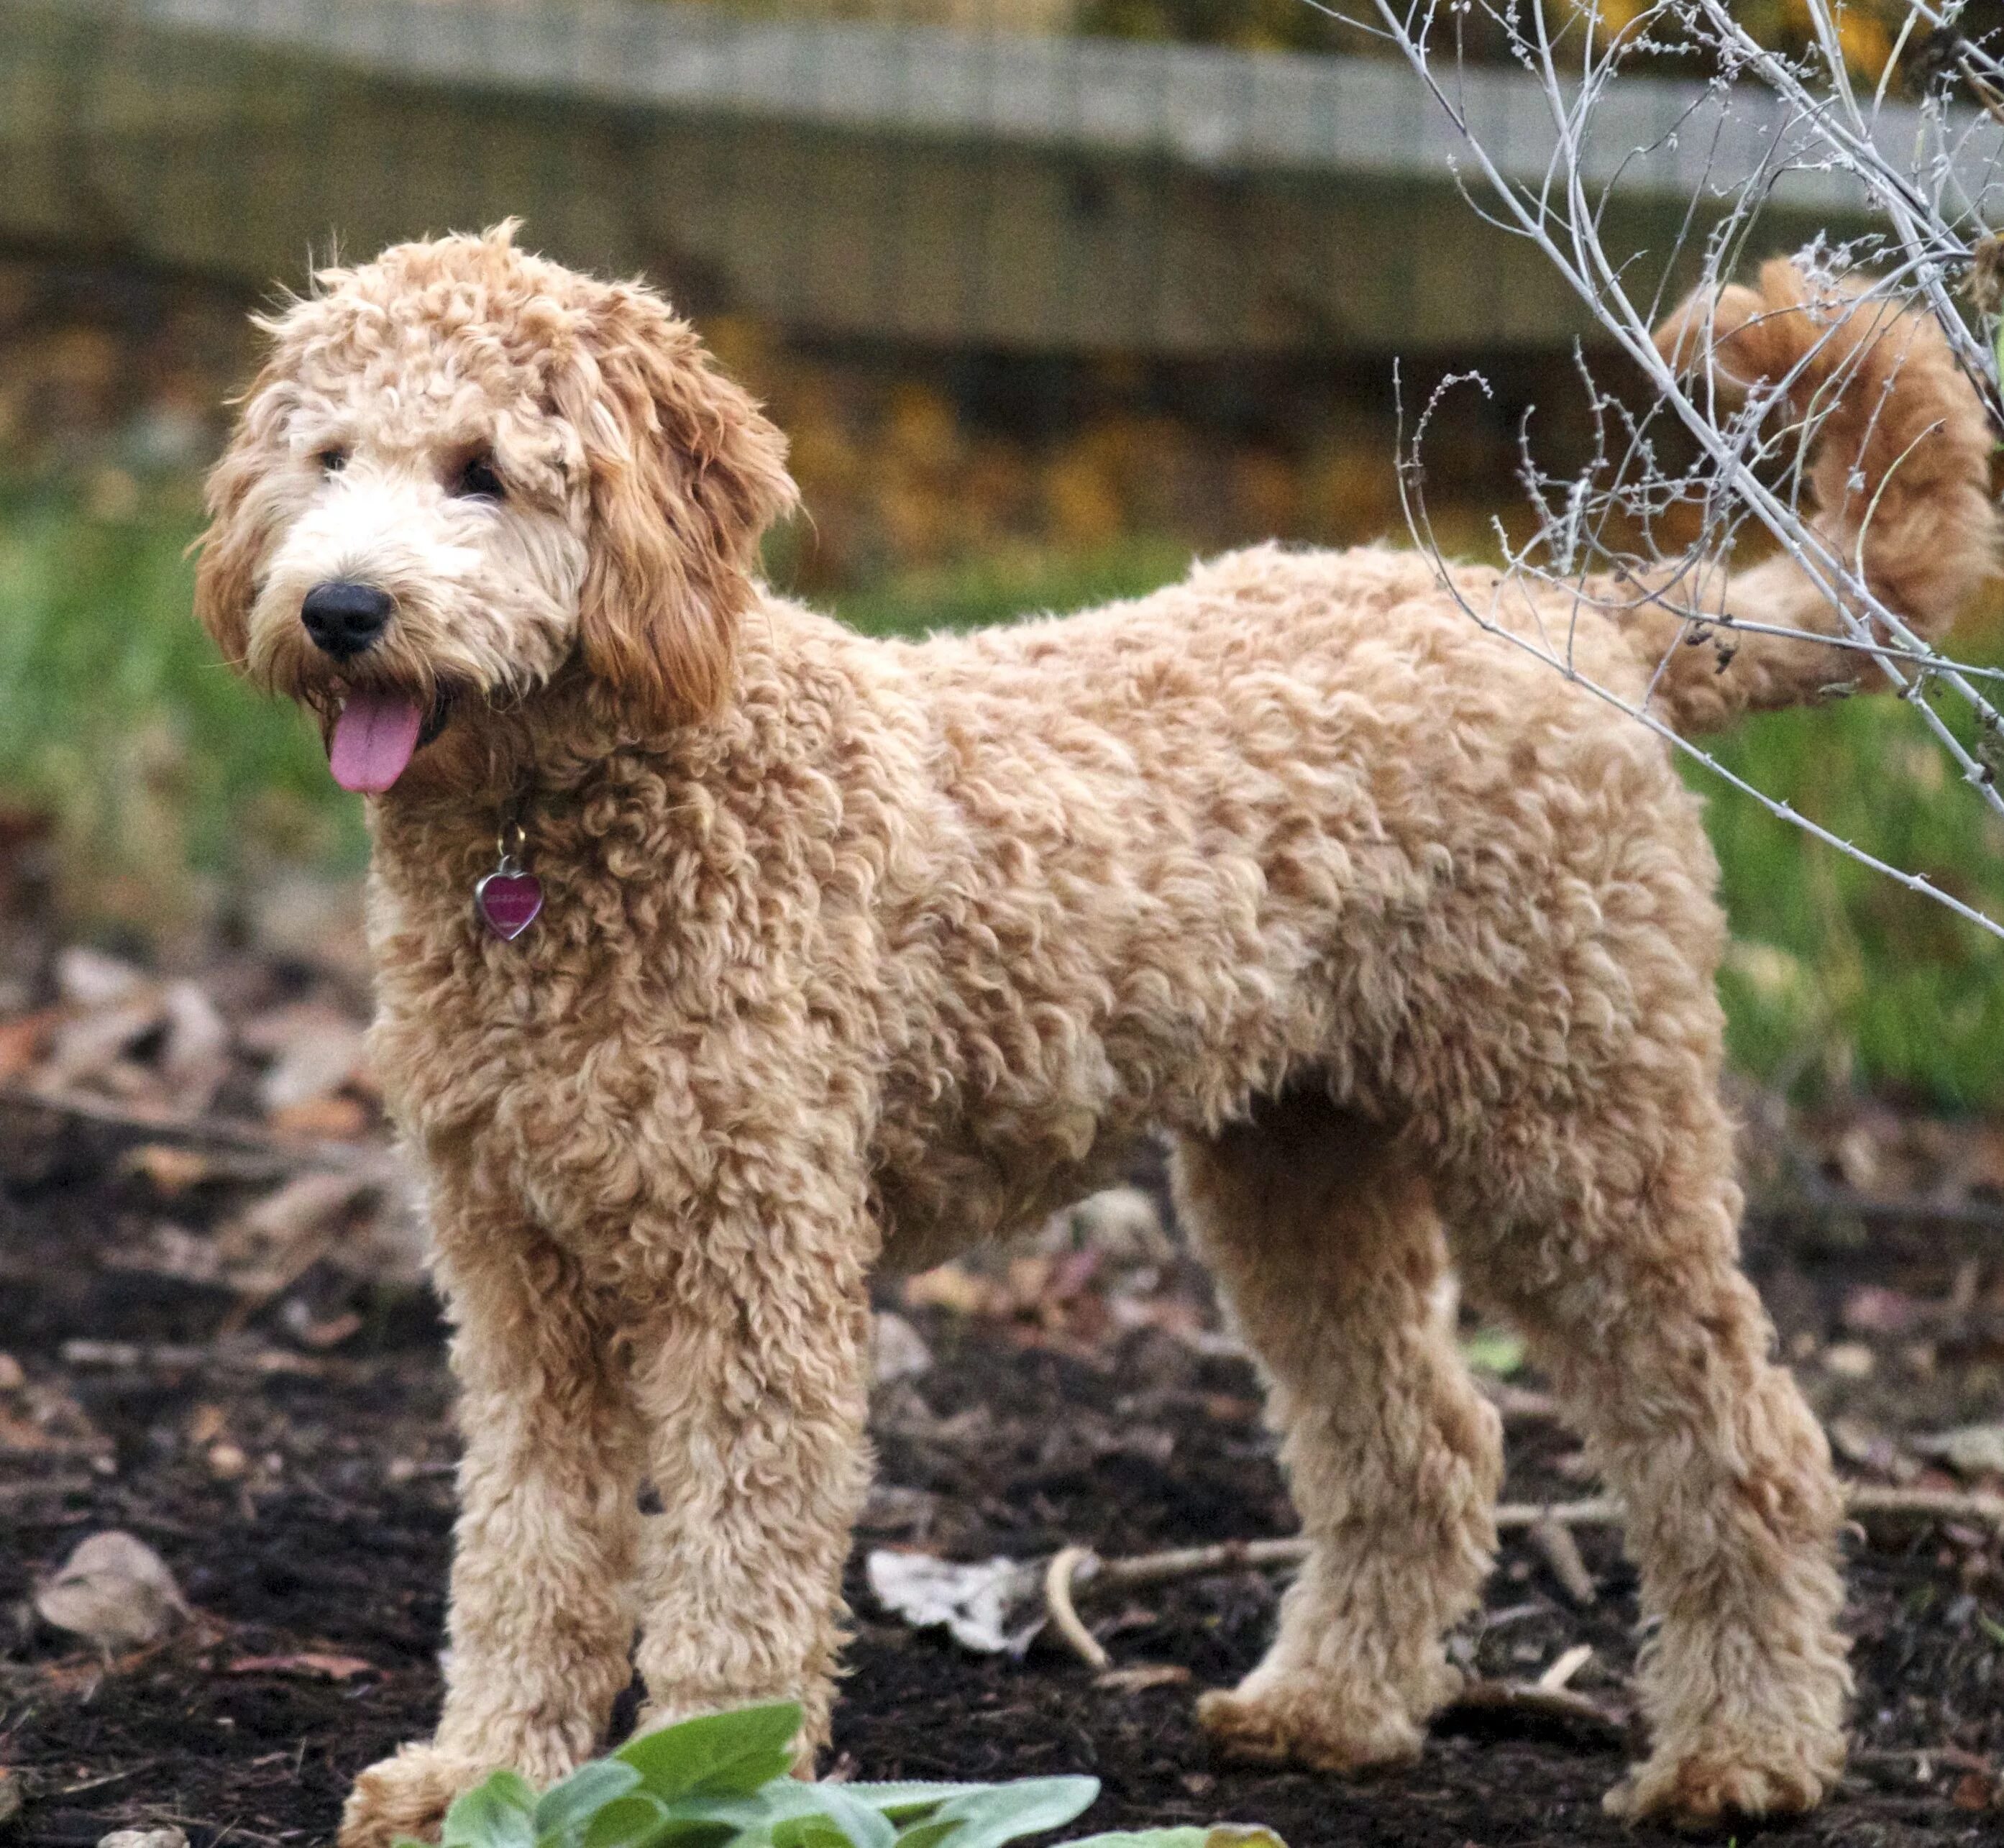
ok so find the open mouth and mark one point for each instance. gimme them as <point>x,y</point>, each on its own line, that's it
<point>378,732</point>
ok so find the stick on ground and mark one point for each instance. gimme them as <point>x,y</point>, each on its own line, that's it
<point>1077,1569</point>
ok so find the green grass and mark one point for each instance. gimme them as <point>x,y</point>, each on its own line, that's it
<point>115,715</point>
<point>119,718</point>
<point>1011,585</point>
<point>1837,976</point>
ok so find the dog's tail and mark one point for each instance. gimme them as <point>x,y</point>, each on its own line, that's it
<point>1901,481</point>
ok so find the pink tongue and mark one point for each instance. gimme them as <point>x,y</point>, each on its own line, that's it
<point>373,739</point>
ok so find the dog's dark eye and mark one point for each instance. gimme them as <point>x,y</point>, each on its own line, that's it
<point>477,480</point>
<point>332,461</point>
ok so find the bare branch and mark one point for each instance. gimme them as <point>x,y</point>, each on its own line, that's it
<point>1848,548</point>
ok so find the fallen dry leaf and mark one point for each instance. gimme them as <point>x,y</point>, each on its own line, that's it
<point>44,1421</point>
<point>91,1048</point>
<point>1873,1309</point>
<point>195,1053</point>
<point>1860,1443</point>
<point>315,1049</point>
<point>310,1332</point>
<point>115,1591</point>
<point>24,1040</point>
<point>1849,1360</point>
<point>206,1423</point>
<point>976,1602</point>
<point>1978,1790</point>
<point>88,978</point>
<point>1123,1225</point>
<point>1969,1450</point>
<point>22,1437</point>
<point>169,1171</point>
<point>266,1247</point>
<point>950,1286</point>
<point>898,1351</point>
<point>300,917</point>
<point>338,1119</point>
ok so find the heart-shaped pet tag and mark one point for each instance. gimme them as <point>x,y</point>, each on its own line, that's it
<point>508,903</point>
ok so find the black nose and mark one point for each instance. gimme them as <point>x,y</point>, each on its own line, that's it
<point>344,618</point>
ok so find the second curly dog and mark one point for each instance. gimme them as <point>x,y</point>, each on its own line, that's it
<point>724,954</point>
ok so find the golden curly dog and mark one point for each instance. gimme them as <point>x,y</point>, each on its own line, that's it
<point>852,952</point>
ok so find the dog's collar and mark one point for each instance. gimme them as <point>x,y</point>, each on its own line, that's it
<point>507,899</point>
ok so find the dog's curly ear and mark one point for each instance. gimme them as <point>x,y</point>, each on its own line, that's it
<point>685,475</point>
<point>238,495</point>
<point>226,572</point>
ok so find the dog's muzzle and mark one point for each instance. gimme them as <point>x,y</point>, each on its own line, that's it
<point>343,618</point>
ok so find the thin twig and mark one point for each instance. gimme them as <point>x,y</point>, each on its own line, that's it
<point>1822,1202</point>
<point>1064,1614</point>
<point>1528,1699</point>
<point>1928,1504</point>
<point>1517,1401</point>
<point>1569,1664</point>
<point>1075,1568</point>
<point>217,1132</point>
<point>1812,120</point>
<point>1554,1542</point>
<point>229,1354</point>
<point>47,1488</point>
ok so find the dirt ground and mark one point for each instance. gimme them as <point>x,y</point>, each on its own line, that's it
<point>281,1438</point>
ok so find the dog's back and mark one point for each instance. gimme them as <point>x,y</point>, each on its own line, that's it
<point>1295,816</point>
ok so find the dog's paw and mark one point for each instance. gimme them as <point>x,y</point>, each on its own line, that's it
<point>1713,1786</point>
<point>406,1795</point>
<point>1296,1720</point>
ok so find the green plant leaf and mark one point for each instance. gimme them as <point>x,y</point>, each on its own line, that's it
<point>741,1819</point>
<point>902,1801</point>
<point>568,1804</point>
<point>804,1815</point>
<point>1190,1835</point>
<point>928,1834</point>
<point>1220,1835</point>
<point>810,1832</point>
<point>723,1754</point>
<point>498,1812</point>
<point>859,1823</point>
<point>1497,1351</point>
<point>986,1818</point>
<point>632,1821</point>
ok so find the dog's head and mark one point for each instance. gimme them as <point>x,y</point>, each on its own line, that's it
<point>464,469</point>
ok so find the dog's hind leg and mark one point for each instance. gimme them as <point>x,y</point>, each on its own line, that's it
<point>1324,1240</point>
<point>1608,1231</point>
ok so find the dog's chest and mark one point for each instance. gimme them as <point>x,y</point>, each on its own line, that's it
<point>610,1067</point>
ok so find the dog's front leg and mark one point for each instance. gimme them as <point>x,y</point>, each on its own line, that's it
<point>545,1550</point>
<point>754,1387</point>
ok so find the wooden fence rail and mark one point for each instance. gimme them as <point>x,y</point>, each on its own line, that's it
<point>846,179</point>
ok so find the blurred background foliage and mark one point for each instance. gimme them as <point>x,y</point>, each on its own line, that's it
<point>944,486</point>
